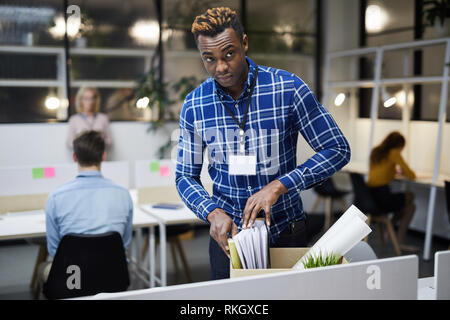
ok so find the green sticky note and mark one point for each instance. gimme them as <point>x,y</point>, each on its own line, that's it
<point>38,173</point>
<point>154,166</point>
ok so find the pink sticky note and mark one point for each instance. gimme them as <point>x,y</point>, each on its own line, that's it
<point>49,172</point>
<point>164,171</point>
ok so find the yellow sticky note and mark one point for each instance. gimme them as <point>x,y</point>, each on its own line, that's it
<point>235,261</point>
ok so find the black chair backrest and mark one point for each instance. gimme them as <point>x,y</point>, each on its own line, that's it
<point>362,198</point>
<point>326,188</point>
<point>447,195</point>
<point>86,265</point>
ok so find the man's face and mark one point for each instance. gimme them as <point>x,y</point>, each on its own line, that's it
<point>224,57</point>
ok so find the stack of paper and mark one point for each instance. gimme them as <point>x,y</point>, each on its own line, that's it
<point>350,229</point>
<point>249,248</point>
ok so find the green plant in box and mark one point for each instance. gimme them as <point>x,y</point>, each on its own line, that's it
<point>321,260</point>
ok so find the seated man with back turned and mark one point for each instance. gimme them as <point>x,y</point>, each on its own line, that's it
<point>89,204</point>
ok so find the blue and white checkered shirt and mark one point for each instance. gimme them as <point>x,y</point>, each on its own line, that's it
<point>281,106</point>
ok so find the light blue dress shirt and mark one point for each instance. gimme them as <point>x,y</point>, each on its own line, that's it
<point>89,204</point>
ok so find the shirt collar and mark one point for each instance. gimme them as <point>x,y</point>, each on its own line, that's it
<point>251,75</point>
<point>84,115</point>
<point>88,174</point>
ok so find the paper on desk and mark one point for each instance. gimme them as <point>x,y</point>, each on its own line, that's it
<point>341,237</point>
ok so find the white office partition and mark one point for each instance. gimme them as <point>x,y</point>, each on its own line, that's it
<point>35,179</point>
<point>442,274</point>
<point>154,173</point>
<point>44,178</point>
<point>392,278</point>
<point>118,172</point>
<point>160,173</point>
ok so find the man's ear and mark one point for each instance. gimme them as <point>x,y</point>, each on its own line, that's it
<point>104,156</point>
<point>245,43</point>
<point>74,157</point>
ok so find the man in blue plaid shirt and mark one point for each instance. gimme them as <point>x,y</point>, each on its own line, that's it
<point>252,113</point>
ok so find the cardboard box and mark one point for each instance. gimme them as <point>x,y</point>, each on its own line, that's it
<point>281,260</point>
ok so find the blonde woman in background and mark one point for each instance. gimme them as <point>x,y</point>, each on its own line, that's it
<point>88,117</point>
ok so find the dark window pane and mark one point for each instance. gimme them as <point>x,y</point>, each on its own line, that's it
<point>107,68</point>
<point>29,22</point>
<point>27,66</point>
<point>117,24</point>
<point>19,104</point>
<point>365,102</point>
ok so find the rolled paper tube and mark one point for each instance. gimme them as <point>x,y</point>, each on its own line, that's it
<point>351,224</point>
<point>355,231</point>
<point>339,225</point>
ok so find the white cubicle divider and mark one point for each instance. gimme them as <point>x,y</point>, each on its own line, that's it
<point>35,179</point>
<point>392,278</point>
<point>160,173</point>
<point>442,275</point>
<point>118,172</point>
<point>44,178</point>
<point>154,173</point>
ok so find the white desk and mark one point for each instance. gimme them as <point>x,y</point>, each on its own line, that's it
<point>28,224</point>
<point>167,217</point>
<point>423,178</point>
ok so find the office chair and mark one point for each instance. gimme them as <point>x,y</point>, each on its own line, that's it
<point>364,202</point>
<point>99,260</point>
<point>447,196</point>
<point>327,191</point>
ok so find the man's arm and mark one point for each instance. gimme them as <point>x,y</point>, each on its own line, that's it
<point>318,128</point>
<point>321,132</point>
<point>189,167</point>
<point>129,227</point>
<point>52,229</point>
<point>189,186</point>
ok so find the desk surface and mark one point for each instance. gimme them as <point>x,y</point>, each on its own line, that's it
<point>28,224</point>
<point>177,216</point>
<point>424,178</point>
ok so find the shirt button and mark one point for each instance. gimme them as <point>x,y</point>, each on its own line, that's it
<point>249,187</point>
<point>236,105</point>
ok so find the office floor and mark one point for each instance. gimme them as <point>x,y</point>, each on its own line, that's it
<point>17,260</point>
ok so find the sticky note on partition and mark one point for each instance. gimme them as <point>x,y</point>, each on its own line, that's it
<point>164,171</point>
<point>154,166</point>
<point>38,173</point>
<point>49,172</point>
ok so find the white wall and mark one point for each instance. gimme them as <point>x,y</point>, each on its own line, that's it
<point>44,143</point>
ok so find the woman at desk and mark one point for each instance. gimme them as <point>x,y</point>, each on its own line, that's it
<point>88,117</point>
<point>386,162</point>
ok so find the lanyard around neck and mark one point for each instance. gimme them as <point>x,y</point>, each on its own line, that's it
<point>241,125</point>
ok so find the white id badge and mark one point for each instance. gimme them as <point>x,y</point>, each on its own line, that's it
<point>242,165</point>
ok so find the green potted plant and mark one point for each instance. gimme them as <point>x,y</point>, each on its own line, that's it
<point>437,14</point>
<point>159,101</point>
<point>322,260</point>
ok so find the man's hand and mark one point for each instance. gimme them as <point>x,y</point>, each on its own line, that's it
<point>264,199</point>
<point>221,224</point>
